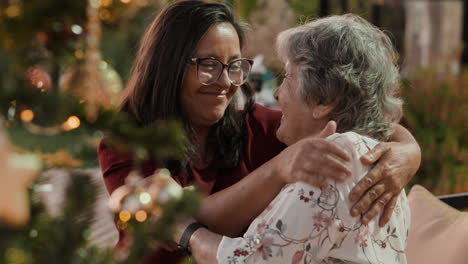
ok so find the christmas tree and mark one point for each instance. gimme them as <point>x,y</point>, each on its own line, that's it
<point>60,84</point>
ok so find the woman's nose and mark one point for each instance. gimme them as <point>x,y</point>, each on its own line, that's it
<point>223,79</point>
<point>276,92</point>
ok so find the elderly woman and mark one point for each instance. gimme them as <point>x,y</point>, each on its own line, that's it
<point>338,69</point>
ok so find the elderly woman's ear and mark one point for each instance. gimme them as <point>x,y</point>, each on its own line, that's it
<point>322,111</point>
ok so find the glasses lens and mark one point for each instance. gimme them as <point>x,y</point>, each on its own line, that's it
<point>208,71</point>
<point>239,71</point>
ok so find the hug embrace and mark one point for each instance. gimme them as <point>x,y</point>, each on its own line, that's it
<point>320,181</point>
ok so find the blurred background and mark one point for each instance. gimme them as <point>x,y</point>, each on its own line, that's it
<point>63,65</point>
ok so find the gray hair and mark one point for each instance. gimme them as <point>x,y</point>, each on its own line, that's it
<point>345,60</point>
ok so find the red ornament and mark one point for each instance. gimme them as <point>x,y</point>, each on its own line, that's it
<point>39,78</point>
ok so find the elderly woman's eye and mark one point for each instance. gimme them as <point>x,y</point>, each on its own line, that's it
<point>280,77</point>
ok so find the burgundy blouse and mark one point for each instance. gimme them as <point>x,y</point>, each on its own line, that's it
<point>261,146</point>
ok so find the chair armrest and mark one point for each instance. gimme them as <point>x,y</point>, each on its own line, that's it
<point>458,200</point>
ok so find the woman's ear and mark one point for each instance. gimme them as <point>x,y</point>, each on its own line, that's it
<point>320,111</point>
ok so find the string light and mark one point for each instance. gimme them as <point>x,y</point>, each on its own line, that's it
<point>125,216</point>
<point>145,198</point>
<point>33,233</point>
<point>42,37</point>
<point>77,29</point>
<point>125,1</point>
<point>27,115</point>
<point>104,14</point>
<point>106,3</point>
<point>140,216</point>
<point>71,123</point>
<point>79,54</point>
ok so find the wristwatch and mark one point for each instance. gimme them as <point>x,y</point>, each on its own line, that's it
<point>185,238</point>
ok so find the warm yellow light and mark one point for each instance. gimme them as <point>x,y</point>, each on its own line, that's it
<point>79,54</point>
<point>125,1</point>
<point>140,216</point>
<point>42,37</point>
<point>125,216</point>
<point>27,115</point>
<point>104,14</point>
<point>13,11</point>
<point>72,123</point>
<point>106,3</point>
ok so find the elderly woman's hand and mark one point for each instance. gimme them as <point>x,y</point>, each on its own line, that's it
<point>313,159</point>
<point>380,188</point>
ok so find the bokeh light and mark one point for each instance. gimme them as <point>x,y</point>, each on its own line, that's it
<point>71,123</point>
<point>27,115</point>
<point>106,3</point>
<point>77,29</point>
<point>140,216</point>
<point>13,11</point>
<point>79,54</point>
<point>145,198</point>
<point>104,14</point>
<point>124,216</point>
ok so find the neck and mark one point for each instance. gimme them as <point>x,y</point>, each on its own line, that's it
<point>199,143</point>
<point>320,127</point>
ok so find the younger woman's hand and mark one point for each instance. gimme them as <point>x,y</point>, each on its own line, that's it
<point>313,159</point>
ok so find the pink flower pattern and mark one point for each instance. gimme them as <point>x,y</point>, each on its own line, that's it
<point>276,237</point>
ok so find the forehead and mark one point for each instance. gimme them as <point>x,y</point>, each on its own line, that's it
<point>220,41</point>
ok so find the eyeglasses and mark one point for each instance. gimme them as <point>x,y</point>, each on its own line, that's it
<point>210,69</point>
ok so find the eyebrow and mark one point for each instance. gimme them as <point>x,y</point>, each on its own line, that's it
<point>214,56</point>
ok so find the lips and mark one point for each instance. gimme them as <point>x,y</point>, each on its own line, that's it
<point>215,92</point>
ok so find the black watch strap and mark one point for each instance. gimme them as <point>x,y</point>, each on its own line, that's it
<point>184,240</point>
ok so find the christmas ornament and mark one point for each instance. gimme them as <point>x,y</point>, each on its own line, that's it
<point>96,95</point>
<point>75,79</point>
<point>18,170</point>
<point>95,82</point>
<point>39,78</point>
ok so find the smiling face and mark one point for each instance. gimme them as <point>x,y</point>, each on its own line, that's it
<point>299,119</point>
<point>204,105</point>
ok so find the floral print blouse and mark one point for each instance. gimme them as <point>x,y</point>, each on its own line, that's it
<point>306,224</point>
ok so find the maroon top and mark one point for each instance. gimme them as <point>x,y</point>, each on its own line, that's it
<point>261,146</point>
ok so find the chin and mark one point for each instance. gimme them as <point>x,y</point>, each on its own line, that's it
<point>214,118</point>
<point>280,137</point>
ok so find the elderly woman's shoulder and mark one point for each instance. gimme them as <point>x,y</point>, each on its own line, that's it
<point>354,142</point>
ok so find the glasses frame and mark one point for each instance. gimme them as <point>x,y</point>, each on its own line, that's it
<point>223,66</point>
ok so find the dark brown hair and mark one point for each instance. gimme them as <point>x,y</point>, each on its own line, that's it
<point>154,88</point>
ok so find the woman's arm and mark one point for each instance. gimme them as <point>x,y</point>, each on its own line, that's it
<point>396,164</point>
<point>291,223</point>
<point>204,245</point>
<point>231,210</point>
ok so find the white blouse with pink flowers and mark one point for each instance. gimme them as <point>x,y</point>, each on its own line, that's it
<point>306,224</point>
